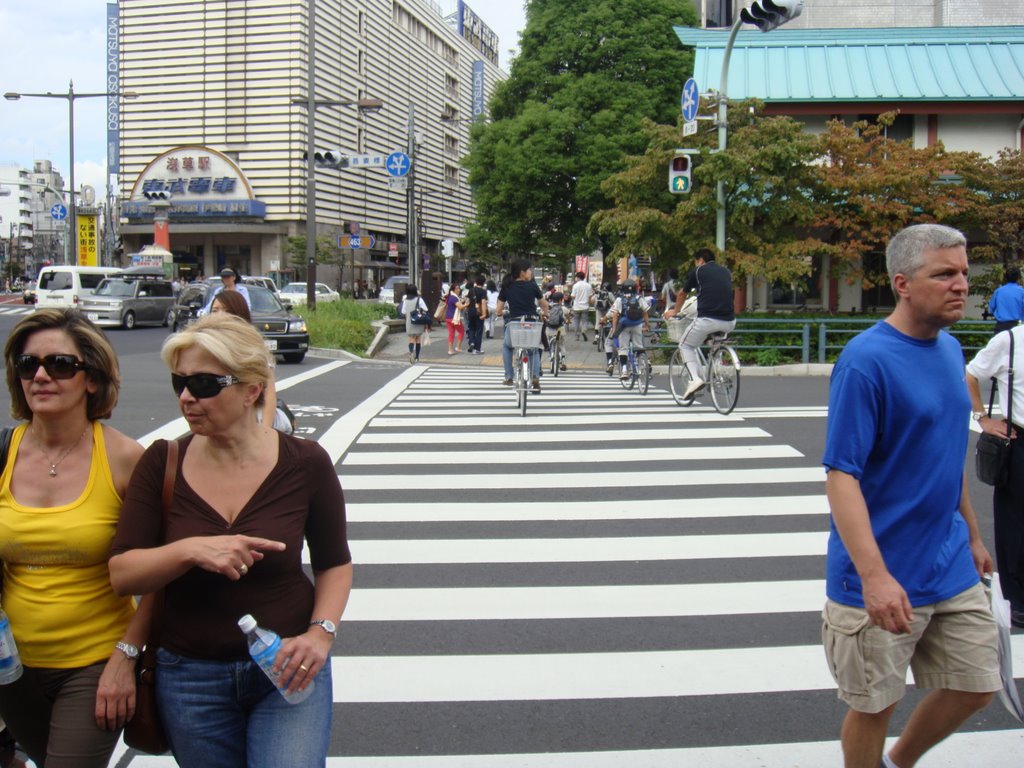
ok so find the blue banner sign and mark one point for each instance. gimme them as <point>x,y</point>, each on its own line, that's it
<point>113,80</point>
<point>191,208</point>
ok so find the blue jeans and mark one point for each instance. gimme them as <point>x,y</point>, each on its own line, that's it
<point>227,714</point>
<point>506,357</point>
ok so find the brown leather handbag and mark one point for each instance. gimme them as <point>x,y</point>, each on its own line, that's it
<point>144,732</point>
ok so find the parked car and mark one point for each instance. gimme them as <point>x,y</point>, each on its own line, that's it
<point>139,295</point>
<point>262,281</point>
<point>387,291</point>
<point>296,293</point>
<point>284,333</point>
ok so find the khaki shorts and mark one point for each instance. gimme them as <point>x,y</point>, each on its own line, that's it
<point>952,645</point>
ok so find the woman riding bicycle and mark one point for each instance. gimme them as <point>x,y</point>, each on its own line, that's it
<point>521,295</point>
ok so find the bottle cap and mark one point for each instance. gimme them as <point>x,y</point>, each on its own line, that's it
<point>247,623</point>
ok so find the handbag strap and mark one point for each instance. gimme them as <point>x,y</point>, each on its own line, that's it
<point>170,473</point>
<point>5,445</point>
<point>1009,389</point>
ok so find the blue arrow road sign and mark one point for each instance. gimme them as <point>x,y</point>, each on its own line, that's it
<point>398,164</point>
<point>690,100</point>
<point>59,211</point>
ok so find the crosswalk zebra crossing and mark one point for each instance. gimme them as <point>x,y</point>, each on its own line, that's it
<point>609,581</point>
<point>16,309</point>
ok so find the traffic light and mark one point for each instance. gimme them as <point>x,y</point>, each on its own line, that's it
<point>766,15</point>
<point>332,158</point>
<point>679,174</point>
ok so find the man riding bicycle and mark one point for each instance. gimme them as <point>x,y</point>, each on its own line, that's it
<point>715,314</point>
<point>521,294</point>
<point>629,321</point>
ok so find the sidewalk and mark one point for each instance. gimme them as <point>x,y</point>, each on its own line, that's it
<point>581,355</point>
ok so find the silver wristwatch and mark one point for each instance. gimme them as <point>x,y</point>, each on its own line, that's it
<point>977,415</point>
<point>129,650</point>
<point>326,625</point>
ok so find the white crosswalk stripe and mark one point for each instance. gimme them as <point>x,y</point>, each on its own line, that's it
<point>617,582</point>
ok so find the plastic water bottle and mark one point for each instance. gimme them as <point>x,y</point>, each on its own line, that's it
<point>10,661</point>
<point>263,647</point>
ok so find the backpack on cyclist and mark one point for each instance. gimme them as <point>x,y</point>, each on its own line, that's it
<point>556,316</point>
<point>632,312</point>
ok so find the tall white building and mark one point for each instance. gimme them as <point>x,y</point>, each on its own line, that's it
<point>220,123</point>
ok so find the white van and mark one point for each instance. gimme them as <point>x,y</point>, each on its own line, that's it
<point>64,286</point>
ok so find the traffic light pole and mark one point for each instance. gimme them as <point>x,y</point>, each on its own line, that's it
<point>311,162</point>
<point>412,231</point>
<point>723,132</point>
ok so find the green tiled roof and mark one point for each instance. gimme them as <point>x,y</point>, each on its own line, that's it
<point>849,65</point>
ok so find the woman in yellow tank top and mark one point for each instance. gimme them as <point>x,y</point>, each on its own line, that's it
<point>60,499</point>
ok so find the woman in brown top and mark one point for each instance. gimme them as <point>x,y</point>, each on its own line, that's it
<point>246,499</point>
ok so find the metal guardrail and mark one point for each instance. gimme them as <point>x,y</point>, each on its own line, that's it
<point>832,333</point>
<point>747,326</point>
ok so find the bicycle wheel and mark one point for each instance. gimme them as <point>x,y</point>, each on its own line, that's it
<point>724,379</point>
<point>643,372</point>
<point>628,382</point>
<point>524,375</point>
<point>679,379</point>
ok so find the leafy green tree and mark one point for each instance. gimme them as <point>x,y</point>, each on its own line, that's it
<point>326,251</point>
<point>770,185</point>
<point>873,186</point>
<point>588,74</point>
<point>998,210</point>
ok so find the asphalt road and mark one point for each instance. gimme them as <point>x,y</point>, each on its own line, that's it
<point>611,580</point>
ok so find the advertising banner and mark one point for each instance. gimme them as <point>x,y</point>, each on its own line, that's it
<point>87,240</point>
<point>113,81</point>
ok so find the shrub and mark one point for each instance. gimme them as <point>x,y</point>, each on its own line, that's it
<point>345,324</point>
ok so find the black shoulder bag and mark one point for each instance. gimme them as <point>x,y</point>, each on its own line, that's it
<point>992,461</point>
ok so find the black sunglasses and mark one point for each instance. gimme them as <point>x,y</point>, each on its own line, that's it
<point>202,384</point>
<point>56,366</point>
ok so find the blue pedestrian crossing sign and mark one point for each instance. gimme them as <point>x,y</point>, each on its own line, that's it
<point>398,164</point>
<point>690,100</point>
<point>58,211</point>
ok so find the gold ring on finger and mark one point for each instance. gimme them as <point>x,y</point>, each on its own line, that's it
<point>243,569</point>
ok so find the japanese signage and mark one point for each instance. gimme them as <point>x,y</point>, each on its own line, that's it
<point>87,240</point>
<point>197,182</point>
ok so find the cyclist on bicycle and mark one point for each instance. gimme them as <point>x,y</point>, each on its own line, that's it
<point>629,323</point>
<point>715,314</point>
<point>521,295</point>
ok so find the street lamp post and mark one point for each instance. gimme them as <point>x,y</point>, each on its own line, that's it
<point>312,102</point>
<point>71,241</point>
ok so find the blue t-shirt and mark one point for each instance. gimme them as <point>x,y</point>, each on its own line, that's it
<point>898,422</point>
<point>1007,302</point>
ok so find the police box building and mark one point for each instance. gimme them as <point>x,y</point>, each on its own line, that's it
<point>218,134</point>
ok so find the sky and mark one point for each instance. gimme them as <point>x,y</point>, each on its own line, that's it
<point>47,45</point>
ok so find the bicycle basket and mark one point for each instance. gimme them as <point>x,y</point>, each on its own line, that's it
<point>677,327</point>
<point>524,334</point>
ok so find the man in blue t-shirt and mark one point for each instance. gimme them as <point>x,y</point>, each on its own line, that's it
<point>1007,303</point>
<point>905,554</point>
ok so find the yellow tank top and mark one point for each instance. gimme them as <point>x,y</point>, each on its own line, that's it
<point>56,586</point>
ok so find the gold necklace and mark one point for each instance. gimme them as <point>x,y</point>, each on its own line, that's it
<point>55,464</point>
